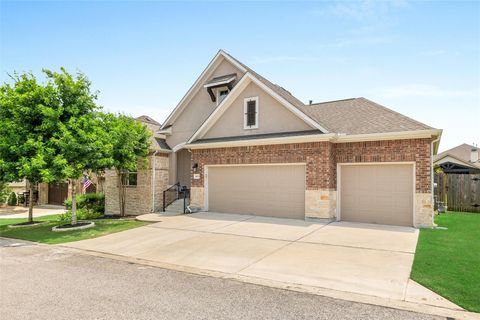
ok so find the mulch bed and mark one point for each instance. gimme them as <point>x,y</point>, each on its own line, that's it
<point>69,225</point>
<point>27,224</point>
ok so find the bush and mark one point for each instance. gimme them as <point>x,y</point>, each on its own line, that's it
<point>21,199</point>
<point>90,201</point>
<point>12,199</point>
<point>4,192</point>
<point>82,214</point>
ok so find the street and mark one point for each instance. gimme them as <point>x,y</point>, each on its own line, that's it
<point>48,282</point>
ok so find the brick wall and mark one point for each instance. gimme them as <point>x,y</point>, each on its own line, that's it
<point>318,156</point>
<point>138,198</point>
<point>417,150</point>
<point>322,157</point>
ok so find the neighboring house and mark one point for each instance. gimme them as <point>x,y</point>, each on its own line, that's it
<point>461,159</point>
<point>242,144</point>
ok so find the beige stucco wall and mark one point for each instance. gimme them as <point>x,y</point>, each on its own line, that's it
<point>138,198</point>
<point>320,203</point>
<point>423,210</point>
<point>198,108</point>
<point>272,117</point>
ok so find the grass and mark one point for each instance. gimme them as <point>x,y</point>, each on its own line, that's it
<point>448,261</point>
<point>43,233</point>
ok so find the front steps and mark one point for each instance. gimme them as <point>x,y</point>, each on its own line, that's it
<point>176,207</point>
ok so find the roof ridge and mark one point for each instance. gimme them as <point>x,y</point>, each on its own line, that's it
<point>330,101</point>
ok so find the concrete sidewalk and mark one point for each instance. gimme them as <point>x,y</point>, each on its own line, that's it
<point>38,211</point>
<point>356,258</point>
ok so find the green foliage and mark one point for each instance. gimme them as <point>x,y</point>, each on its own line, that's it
<point>12,199</point>
<point>82,214</point>
<point>21,199</point>
<point>89,201</point>
<point>4,191</point>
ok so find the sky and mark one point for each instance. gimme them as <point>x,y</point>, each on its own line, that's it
<point>421,59</point>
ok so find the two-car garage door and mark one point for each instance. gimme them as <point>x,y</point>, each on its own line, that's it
<point>265,190</point>
<point>377,193</point>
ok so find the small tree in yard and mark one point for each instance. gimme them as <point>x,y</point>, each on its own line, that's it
<point>27,125</point>
<point>81,142</point>
<point>130,144</point>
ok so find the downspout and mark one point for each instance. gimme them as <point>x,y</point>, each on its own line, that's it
<point>432,175</point>
<point>154,164</point>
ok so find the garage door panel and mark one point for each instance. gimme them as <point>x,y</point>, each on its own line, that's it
<point>377,193</point>
<point>269,190</point>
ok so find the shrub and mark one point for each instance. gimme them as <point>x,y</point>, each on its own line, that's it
<point>90,201</point>
<point>4,192</point>
<point>12,199</point>
<point>82,214</point>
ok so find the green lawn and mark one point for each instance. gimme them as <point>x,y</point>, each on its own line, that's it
<point>43,233</point>
<point>448,261</point>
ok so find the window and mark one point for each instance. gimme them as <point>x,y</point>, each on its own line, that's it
<point>221,94</point>
<point>250,119</point>
<point>131,179</point>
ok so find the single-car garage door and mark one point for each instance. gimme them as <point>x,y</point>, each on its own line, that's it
<point>264,190</point>
<point>377,193</point>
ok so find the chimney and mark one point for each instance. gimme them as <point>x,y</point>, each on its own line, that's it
<point>310,102</point>
<point>474,154</point>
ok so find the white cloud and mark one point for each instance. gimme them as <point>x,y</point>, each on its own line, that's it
<point>423,90</point>
<point>361,41</point>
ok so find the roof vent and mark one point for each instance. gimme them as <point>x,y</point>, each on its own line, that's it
<point>474,154</point>
<point>310,102</point>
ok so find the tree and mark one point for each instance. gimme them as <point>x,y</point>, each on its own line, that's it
<point>130,144</point>
<point>81,143</point>
<point>28,123</point>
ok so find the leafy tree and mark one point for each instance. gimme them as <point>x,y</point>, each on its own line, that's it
<point>27,125</point>
<point>81,143</point>
<point>130,144</point>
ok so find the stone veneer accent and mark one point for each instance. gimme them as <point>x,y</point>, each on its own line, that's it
<point>321,160</point>
<point>197,197</point>
<point>139,197</point>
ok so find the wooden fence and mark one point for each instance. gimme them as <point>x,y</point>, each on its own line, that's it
<point>459,192</point>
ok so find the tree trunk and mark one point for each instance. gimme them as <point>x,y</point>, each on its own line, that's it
<point>30,203</point>
<point>74,201</point>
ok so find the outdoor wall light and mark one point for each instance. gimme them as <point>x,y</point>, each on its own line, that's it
<point>195,167</point>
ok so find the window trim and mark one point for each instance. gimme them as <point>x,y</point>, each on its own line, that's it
<point>245,116</point>
<point>220,89</point>
<point>127,182</point>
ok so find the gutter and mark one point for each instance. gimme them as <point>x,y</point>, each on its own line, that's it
<point>433,150</point>
<point>154,164</point>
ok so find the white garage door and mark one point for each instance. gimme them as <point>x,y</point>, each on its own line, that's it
<point>380,194</point>
<point>264,190</point>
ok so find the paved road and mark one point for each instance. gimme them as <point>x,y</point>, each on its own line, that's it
<point>46,282</point>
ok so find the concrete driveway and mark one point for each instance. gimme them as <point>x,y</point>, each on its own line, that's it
<point>367,259</point>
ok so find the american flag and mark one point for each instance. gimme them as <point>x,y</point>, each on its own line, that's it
<point>86,183</point>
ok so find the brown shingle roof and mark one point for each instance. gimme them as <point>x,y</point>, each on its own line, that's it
<point>461,152</point>
<point>349,116</point>
<point>360,116</point>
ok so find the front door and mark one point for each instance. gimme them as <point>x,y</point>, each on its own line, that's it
<point>184,167</point>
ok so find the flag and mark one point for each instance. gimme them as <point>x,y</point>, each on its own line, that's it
<point>86,183</point>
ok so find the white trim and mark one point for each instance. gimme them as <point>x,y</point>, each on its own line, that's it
<point>225,82</point>
<point>245,111</point>
<point>206,167</point>
<point>289,106</point>
<point>401,135</point>
<point>178,147</point>
<point>196,86</point>
<point>242,84</point>
<point>339,184</point>
<point>260,142</point>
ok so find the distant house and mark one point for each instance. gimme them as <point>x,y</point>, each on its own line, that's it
<point>459,160</point>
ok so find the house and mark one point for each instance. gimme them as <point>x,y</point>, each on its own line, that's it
<point>459,160</point>
<point>242,144</point>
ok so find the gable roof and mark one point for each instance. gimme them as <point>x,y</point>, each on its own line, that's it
<point>360,116</point>
<point>356,116</point>
<point>461,153</point>
<point>147,119</point>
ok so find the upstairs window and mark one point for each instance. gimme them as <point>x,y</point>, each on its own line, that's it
<point>250,118</point>
<point>221,94</point>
